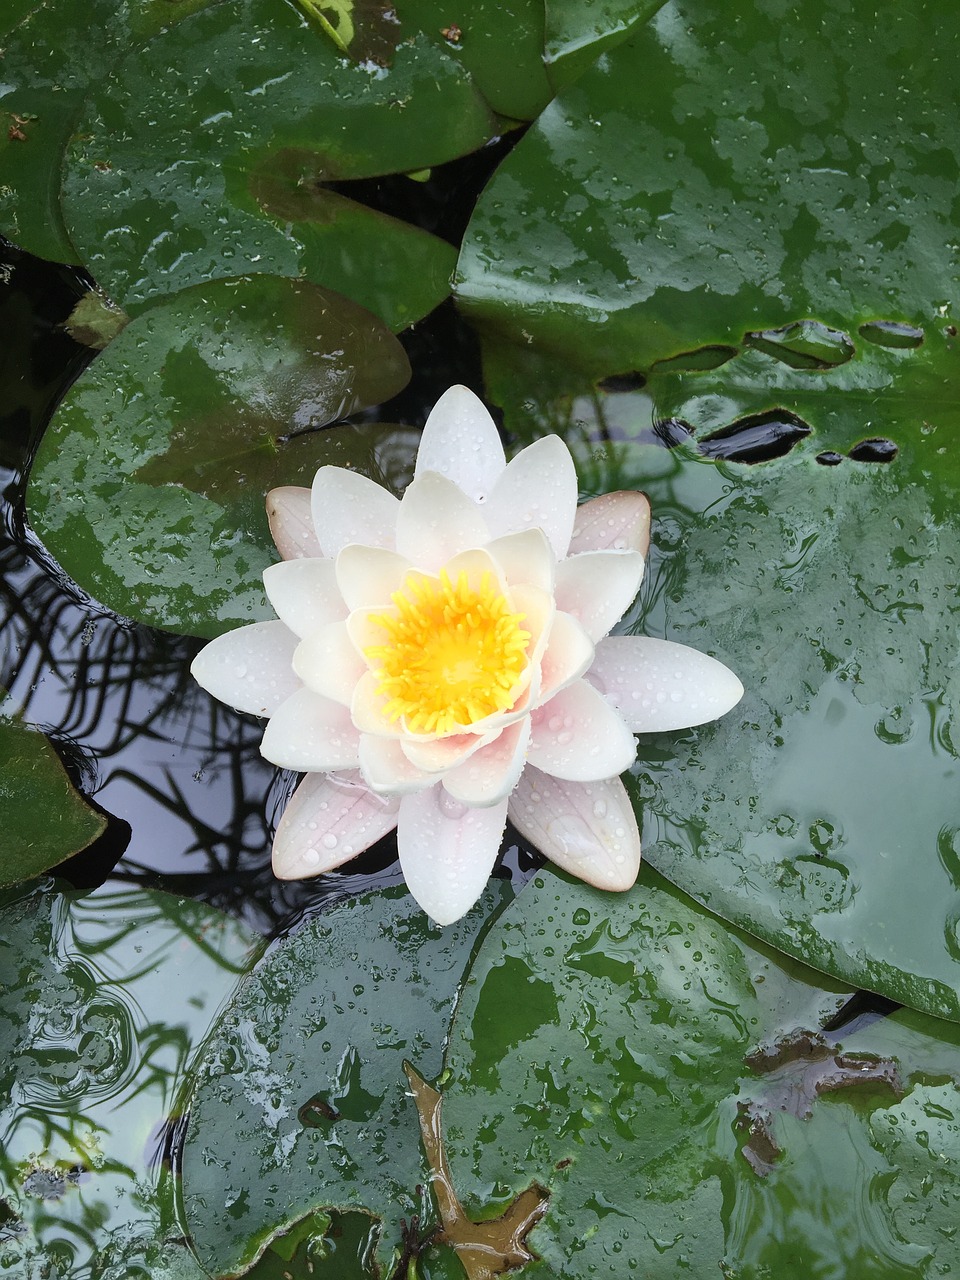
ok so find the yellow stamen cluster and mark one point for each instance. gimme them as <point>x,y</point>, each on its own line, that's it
<point>453,653</point>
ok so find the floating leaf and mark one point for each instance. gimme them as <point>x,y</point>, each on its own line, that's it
<point>719,173</point>
<point>301,1102</point>
<point>149,485</point>
<point>164,181</point>
<point>821,814</point>
<point>609,1046</point>
<point>93,1048</point>
<point>577,33</point>
<point>43,818</point>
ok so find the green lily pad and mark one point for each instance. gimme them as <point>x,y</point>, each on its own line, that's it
<point>93,1051</point>
<point>729,168</point>
<point>51,56</point>
<point>164,183</point>
<point>148,487</point>
<point>301,1102</point>
<point>665,1077</point>
<point>821,813</point>
<point>43,817</point>
<point>577,33</point>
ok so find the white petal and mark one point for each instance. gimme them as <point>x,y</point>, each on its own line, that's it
<point>657,685</point>
<point>347,507</point>
<point>368,576</point>
<point>568,655</point>
<point>537,490</point>
<point>311,733</point>
<point>598,587</point>
<point>613,522</point>
<point>491,773</point>
<point>526,557</point>
<point>330,819</point>
<point>291,522</point>
<point>250,668</point>
<point>437,521</point>
<point>304,594</point>
<point>366,709</point>
<point>327,663</point>
<point>386,768</point>
<point>447,851</point>
<point>460,442</point>
<point>434,755</point>
<point>586,828</point>
<point>578,736</point>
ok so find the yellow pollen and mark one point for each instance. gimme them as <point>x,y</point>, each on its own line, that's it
<point>453,654</point>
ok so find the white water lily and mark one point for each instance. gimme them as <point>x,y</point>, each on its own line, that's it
<point>442,662</point>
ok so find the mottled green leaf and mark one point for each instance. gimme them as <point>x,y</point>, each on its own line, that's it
<point>578,32</point>
<point>103,999</point>
<point>731,167</point>
<point>162,178</point>
<point>43,818</point>
<point>149,485</point>
<point>301,1102</point>
<point>642,1059</point>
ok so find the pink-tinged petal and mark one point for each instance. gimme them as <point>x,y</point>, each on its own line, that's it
<point>525,557</point>
<point>304,594</point>
<point>460,442</point>
<point>327,662</point>
<point>435,755</point>
<point>291,522</point>
<point>447,850</point>
<point>586,828</point>
<point>348,507</point>
<point>537,490</point>
<point>437,521</point>
<point>329,820</point>
<point>657,685</point>
<point>598,587</point>
<point>312,734</point>
<point>250,668</point>
<point>568,655</point>
<point>613,522</point>
<point>368,576</point>
<point>491,773</point>
<point>385,767</point>
<point>366,709</point>
<point>578,736</point>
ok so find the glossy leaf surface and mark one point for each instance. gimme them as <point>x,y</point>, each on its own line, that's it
<point>44,819</point>
<point>646,1063</point>
<point>821,813</point>
<point>95,1037</point>
<point>302,1093</point>
<point>728,168</point>
<point>577,33</point>
<point>149,485</point>
<point>170,178</point>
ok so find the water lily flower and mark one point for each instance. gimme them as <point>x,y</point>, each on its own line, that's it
<point>442,662</point>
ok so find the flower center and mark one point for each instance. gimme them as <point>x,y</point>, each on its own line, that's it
<point>453,654</point>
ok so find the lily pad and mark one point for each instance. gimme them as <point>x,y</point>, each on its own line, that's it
<point>164,181</point>
<point>639,1057</point>
<point>301,1101</point>
<point>729,168</point>
<point>43,818</point>
<point>92,1056</point>
<point>51,56</point>
<point>821,814</point>
<point>577,33</point>
<point>148,487</point>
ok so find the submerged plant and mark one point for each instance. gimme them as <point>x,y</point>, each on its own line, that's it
<point>442,662</point>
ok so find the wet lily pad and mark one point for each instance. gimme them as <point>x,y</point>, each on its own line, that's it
<point>92,1056</point>
<point>727,169</point>
<point>43,817</point>
<point>577,33</point>
<point>149,485</point>
<point>301,1102</point>
<point>165,179</point>
<point>635,1055</point>
<point>51,56</point>
<point>821,814</point>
